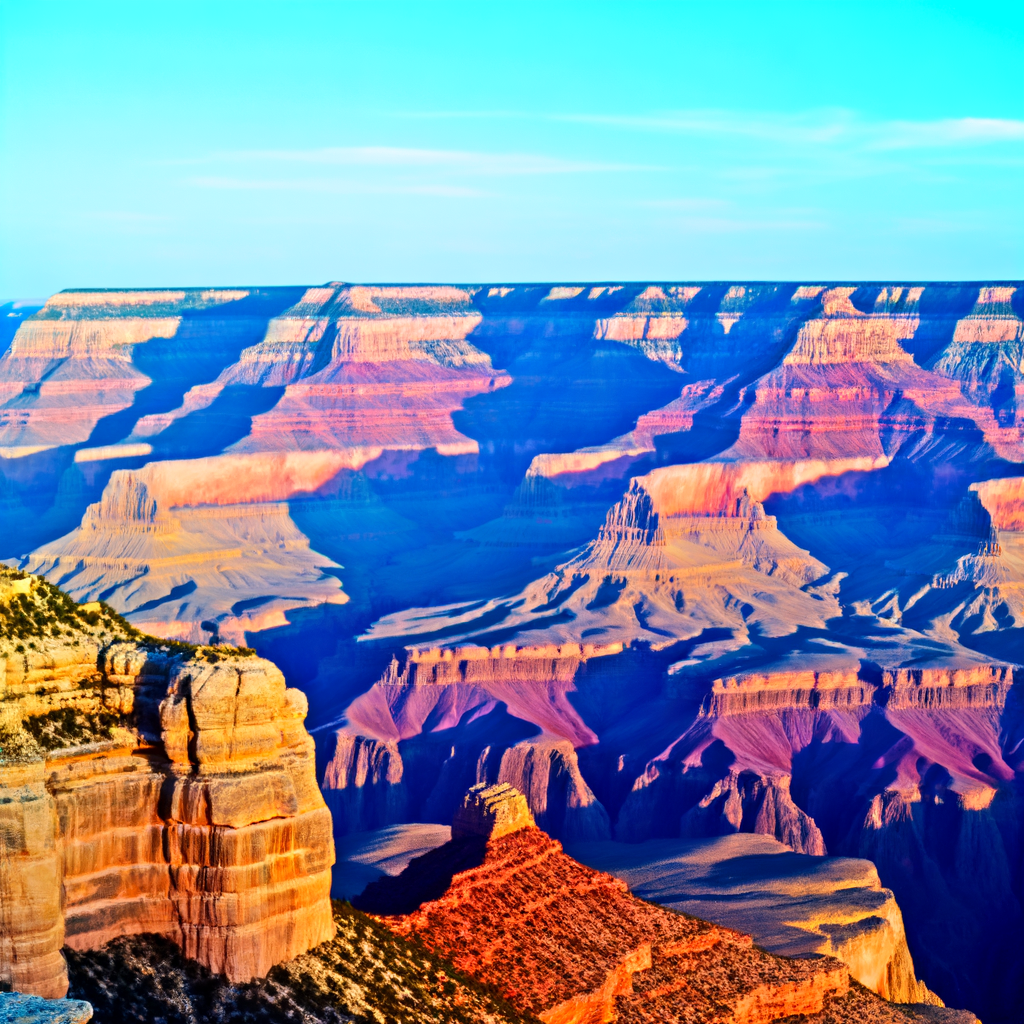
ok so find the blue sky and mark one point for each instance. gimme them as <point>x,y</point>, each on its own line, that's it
<point>151,143</point>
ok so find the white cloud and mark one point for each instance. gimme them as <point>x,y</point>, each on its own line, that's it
<point>337,187</point>
<point>831,128</point>
<point>837,127</point>
<point>949,133</point>
<point>401,158</point>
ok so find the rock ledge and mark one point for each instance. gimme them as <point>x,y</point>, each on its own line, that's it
<point>492,812</point>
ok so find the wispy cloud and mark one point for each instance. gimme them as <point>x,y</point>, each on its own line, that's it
<point>956,133</point>
<point>829,128</point>
<point>401,158</point>
<point>332,186</point>
<point>800,129</point>
<point>837,127</point>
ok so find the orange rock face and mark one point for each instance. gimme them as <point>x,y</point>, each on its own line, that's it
<point>577,940</point>
<point>196,815</point>
<point>574,947</point>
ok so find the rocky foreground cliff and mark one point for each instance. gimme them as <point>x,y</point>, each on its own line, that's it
<point>571,945</point>
<point>149,788</point>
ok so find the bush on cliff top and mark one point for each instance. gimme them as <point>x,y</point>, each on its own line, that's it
<point>365,974</point>
<point>46,611</point>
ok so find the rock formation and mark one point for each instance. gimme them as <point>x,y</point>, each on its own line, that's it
<point>572,945</point>
<point>792,904</point>
<point>247,566</point>
<point>655,554</point>
<point>149,789</point>
<point>492,812</point>
<point>16,1008</point>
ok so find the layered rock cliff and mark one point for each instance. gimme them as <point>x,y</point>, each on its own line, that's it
<point>570,944</point>
<point>208,573</point>
<point>801,484</point>
<point>792,904</point>
<point>149,789</point>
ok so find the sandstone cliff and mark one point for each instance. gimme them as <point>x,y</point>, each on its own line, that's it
<point>570,944</point>
<point>792,904</point>
<point>150,789</point>
<point>195,574</point>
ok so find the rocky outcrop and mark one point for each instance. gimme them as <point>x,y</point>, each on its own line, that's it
<point>492,812</point>
<point>913,768</point>
<point>656,571</point>
<point>838,689</point>
<point>32,921</point>
<point>747,802</point>
<point>792,904</point>
<point>984,354</point>
<point>16,1008</point>
<point>571,945</point>
<point>341,349</point>
<point>210,574</point>
<point>362,783</point>
<point>368,783</point>
<point>86,355</point>
<point>147,790</point>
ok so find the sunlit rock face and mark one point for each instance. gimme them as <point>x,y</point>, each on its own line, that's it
<point>654,554</point>
<point>504,902</point>
<point>246,564</point>
<point>144,790</point>
<point>792,904</point>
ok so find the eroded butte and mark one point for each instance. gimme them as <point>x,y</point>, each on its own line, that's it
<point>676,560</point>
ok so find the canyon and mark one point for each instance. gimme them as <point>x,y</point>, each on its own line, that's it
<point>678,561</point>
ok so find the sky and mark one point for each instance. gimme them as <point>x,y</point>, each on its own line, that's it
<point>221,143</point>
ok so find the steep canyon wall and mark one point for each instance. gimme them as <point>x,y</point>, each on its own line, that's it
<point>660,555</point>
<point>145,790</point>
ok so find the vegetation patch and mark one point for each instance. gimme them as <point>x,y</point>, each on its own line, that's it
<point>41,612</point>
<point>365,974</point>
<point>68,727</point>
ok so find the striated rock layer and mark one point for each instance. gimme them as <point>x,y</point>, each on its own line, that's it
<point>149,790</point>
<point>653,553</point>
<point>792,904</point>
<point>207,573</point>
<point>572,945</point>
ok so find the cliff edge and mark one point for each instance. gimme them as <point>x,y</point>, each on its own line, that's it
<point>153,788</point>
<point>571,945</point>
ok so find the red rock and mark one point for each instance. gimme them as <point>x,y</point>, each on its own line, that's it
<point>573,946</point>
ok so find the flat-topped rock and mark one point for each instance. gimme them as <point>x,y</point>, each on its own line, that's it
<point>16,1008</point>
<point>147,790</point>
<point>492,811</point>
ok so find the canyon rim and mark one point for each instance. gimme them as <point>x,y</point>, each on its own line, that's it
<point>726,579</point>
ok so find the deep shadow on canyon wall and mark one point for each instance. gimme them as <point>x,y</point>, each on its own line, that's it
<point>415,527</point>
